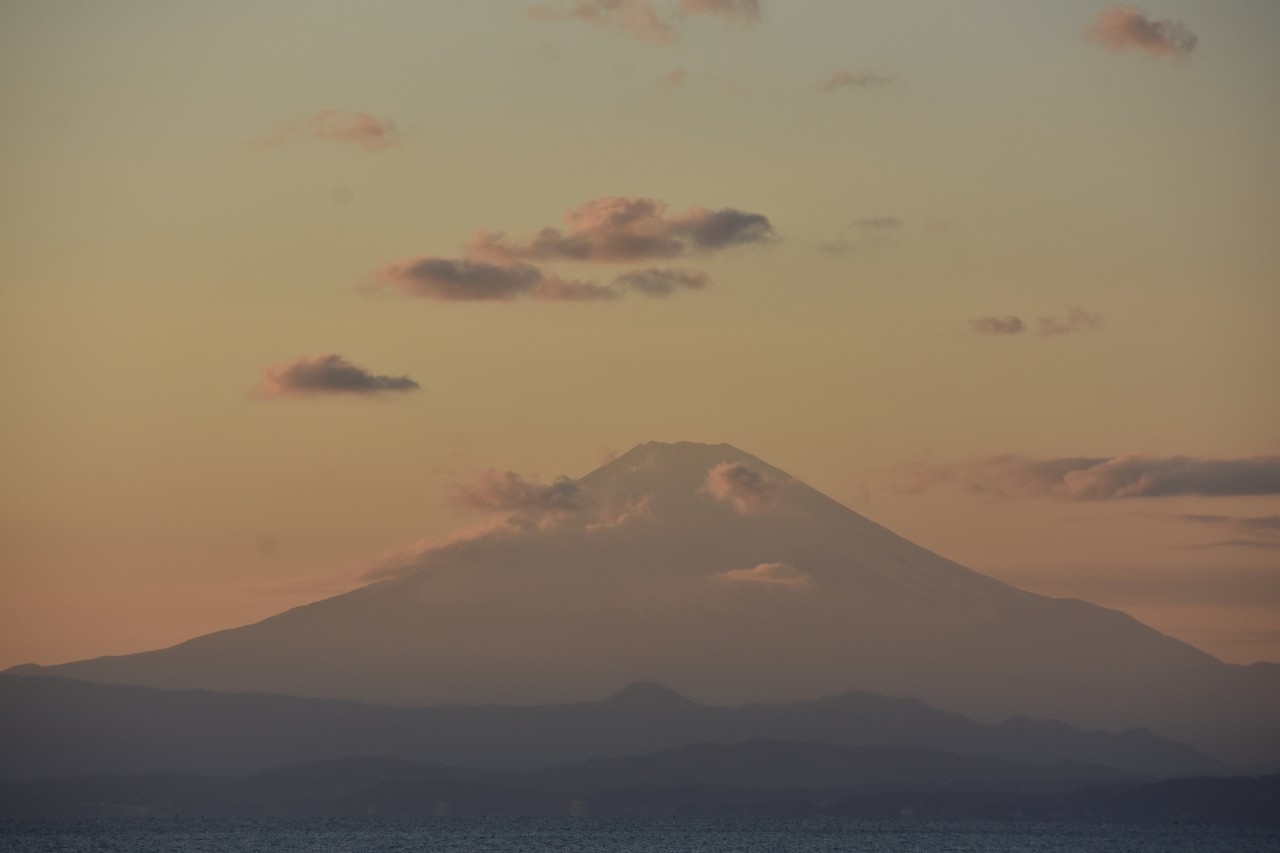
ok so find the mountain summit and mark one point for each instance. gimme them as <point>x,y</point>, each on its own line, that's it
<point>704,568</point>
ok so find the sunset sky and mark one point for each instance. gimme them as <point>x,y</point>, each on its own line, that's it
<point>279,280</point>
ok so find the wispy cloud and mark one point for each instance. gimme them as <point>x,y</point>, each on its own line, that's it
<point>1104,478</point>
<point>335,126</point>
<point>880,223</point>
<point>745,490</point>
<point>636,18</point>
<point>1125,27</point>
<point>734,13</point>
<point>1006,325</point>
<point>1248,528</point>
<point>1253,544</point>
<point>658,282</point>
<point>625,229</point>
<point>327,374</point>
<point>1077,319</point>
<point>461,280</point>
<point>674,79</point>
<point>866,79</point>
<point>507,491</point>
<point>1267,523</point>
<point>766,574</point>
<point>646,20</point>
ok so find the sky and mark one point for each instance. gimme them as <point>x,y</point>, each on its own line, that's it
<point>278,281</point>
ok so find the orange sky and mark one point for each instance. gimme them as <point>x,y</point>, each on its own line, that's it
<point>276,278</point>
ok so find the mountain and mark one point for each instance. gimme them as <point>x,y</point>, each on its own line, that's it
<point>388,786</point>
<point>765,763</point>
<point>704,568</point>
<point>755,778</point>
<point>61,727</point>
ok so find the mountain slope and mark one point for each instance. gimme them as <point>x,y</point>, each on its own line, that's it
<point>702,567</point>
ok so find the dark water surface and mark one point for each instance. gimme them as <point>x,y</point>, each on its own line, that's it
<point>730,835</point>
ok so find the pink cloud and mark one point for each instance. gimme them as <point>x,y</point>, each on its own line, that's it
<point>741,13</point>
<point>625,229</point>
<point>316,375</point>
<point>851,80</point>
<point>767,574</point>
<point>350,128</point>
<point>1124,27</point>
<point>745,490</point>
<point>674,79</point>
<point>636,18</point>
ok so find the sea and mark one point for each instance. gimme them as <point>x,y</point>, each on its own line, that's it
<point>591,835</point>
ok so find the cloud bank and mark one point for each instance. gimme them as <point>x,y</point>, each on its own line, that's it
<point>336,126</point>
<point>327,374</point>
<point>1125,27</point>
<point>623,229</point>
<point>745,490</point>
<point>1108,478</point>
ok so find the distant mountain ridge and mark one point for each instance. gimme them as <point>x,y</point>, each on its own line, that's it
<point>706,569</point>
<point>760,777</point>
<point>60,727</point>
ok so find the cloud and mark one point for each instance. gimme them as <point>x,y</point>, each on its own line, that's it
<point>643,19</point>
<point>741,13</point>
<point>1107,478</point>
<point>460,280</point>
<point>507,491</point>
<point>866,79</point>
<point>1077,319</point>
<point>1007,325</point>
<point>1124,27</point>
<point>1256,544</point>
<point>349,128</point>
<point>674,79</point>
<point>1264,523</point>
<point>636,18</point>
<point>838,248</point>
<point>657,283</point>
<point>767,574</point>
<point>1267,526</point>
<point>314,375</point>
<point>627,230</point>
<point>744,489</point>
<point>880,223</point>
